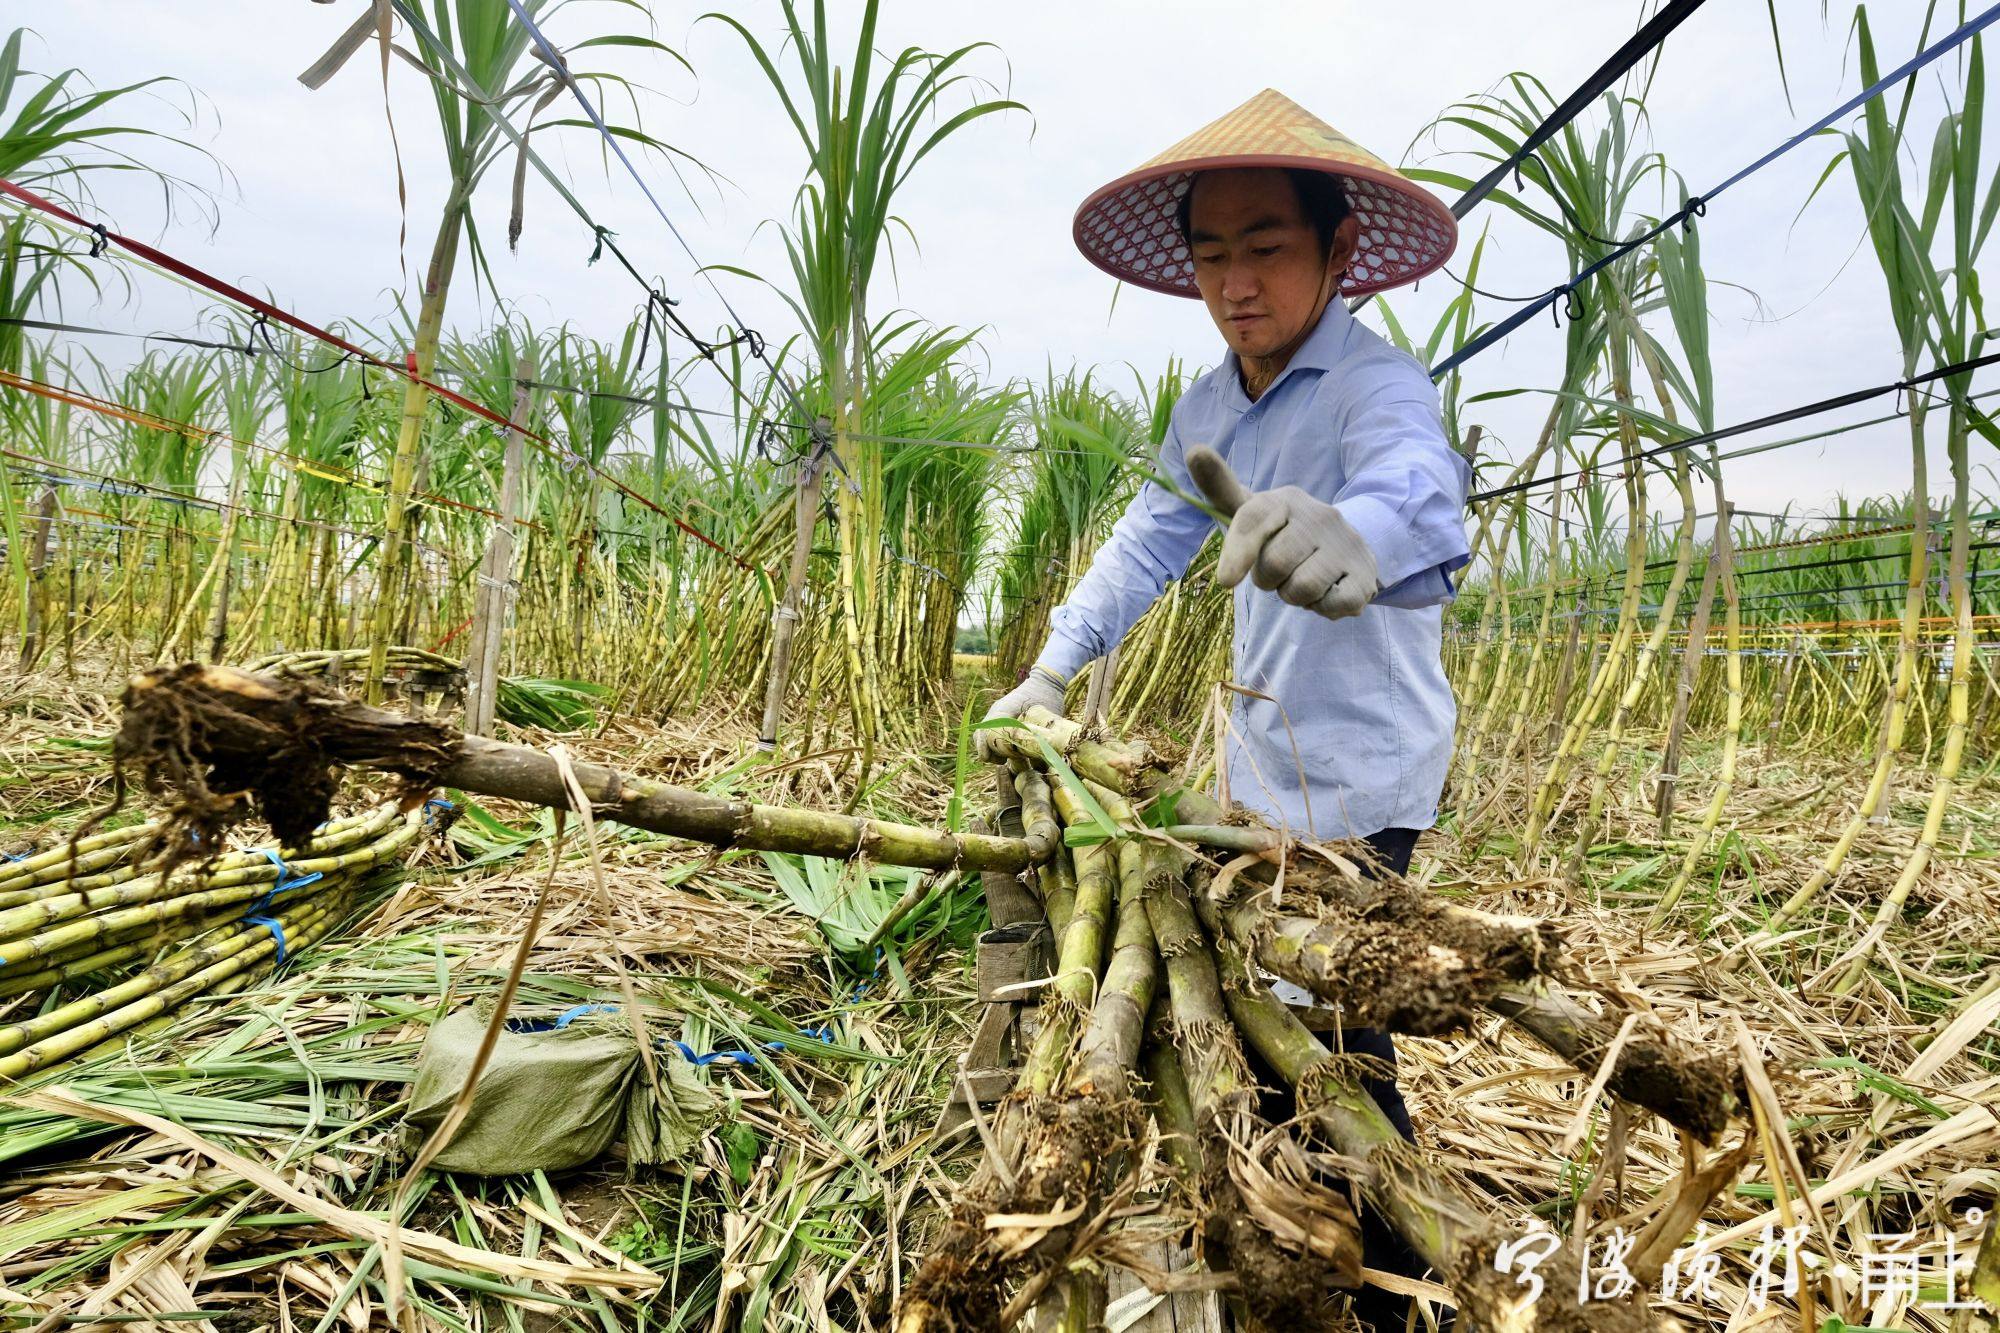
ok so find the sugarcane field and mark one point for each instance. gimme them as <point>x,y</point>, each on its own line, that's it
<point>650,680</point>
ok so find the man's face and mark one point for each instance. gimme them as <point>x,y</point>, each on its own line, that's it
<point>1257,259</point>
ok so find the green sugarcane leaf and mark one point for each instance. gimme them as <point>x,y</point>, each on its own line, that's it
<point>741,1148</point>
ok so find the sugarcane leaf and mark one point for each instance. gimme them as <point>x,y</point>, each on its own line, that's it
<point>1634,873</point>
<point>1874,1080</point>
<point>741,1148</point>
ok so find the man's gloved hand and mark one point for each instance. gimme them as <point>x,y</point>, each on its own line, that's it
<point>1299,547</point>
<point>1042,687</point>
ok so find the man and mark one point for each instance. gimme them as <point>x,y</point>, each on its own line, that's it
<point>1324,447</point>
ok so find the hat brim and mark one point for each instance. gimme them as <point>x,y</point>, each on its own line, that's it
<point>1127,228</point>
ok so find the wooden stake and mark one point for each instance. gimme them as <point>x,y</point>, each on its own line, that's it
<point>38,565</point>
<point>1098,697</point>
<point>218,618</point>
<point>491,595</point>
<point>785,617</point>
<point>1670,764</point>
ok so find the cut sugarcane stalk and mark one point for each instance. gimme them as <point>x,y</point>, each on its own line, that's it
<point>246,718</point>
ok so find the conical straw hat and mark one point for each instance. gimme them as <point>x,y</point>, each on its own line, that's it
<point>1127,228</point>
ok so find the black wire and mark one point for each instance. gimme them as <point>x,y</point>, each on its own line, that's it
<point>52,326</point>
<point>1761,423</point>
<point>1697,205</point>
<point>1635,49</point>
<point>1843,562</point>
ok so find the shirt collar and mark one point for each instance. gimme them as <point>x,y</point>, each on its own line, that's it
<point>1321,351</point>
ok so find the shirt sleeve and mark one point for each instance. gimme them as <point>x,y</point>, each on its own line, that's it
<point>1150,545</point>
<point>1405,494</point>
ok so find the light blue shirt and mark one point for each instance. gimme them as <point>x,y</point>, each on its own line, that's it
<point>1353,421</point>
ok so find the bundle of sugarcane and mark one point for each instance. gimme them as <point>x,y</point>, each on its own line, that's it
<point>84,912</point>
<point>336,662</point>
<point>1125,860</point>
<point>1206,902</point>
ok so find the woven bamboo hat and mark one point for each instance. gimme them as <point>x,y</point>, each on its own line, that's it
<point>1127,228</point>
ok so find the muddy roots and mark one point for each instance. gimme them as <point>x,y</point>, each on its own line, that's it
<point>218,746</point>
<point>1291,1240</point>
<point>1394,957</point>
<point>1062,1154</point>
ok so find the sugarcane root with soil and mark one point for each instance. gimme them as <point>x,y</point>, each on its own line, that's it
<point>1138,1061</point>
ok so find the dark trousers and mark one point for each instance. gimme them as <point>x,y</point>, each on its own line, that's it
<point>1381,1247</point>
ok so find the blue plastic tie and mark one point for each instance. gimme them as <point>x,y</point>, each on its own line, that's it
<point>735,1056</point>
<point>287,881</point>
<point>561,1020</point>
<point>437,803</point>
<point>868,980</point>
<point>276,928</point>
<point>12,857</point>
<point>732,1054</point>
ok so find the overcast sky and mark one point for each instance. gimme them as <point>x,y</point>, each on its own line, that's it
<point>308,208</point>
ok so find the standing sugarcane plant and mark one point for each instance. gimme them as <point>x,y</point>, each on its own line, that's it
<point>1072,487</point>
<point>483,71</point>
<point>863,138</point>
<point>1591,189</point>
<point>1902,251</point>
<point>1684,290</point>
<point>1959,208</point>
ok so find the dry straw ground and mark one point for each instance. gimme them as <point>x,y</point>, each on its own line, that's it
<point>228,1168</point>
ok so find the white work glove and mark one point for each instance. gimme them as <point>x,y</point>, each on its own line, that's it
<point>1288,542</point>
<point>1043,687</point>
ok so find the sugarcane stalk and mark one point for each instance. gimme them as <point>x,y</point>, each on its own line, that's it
<point>1289,1240</point>
<point>105,925</point>
<point>222,944</point>
<point>1666,785</point>
<point>1055,1143</point>
<point>1109,1048</point>
<point>244,880</point>
<point>1725,778</point>
<point>1697,1093</point>
<point>1688,1090</point>
<point>108,846</point>
<point>92,957</point>
<point>330,838</point>
<point>1440,1222</point>
<point>1855,960</point>
<point>1057,880</point>
<point>1038,812</point>
<point>245,715</point>
<point>1421,970</point>
<point>83,1036</point>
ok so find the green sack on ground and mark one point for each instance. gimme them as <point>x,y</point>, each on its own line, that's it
<point>555,1094</point>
